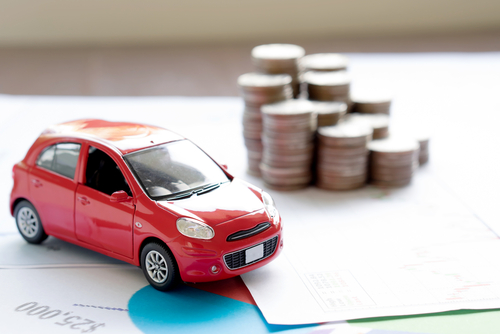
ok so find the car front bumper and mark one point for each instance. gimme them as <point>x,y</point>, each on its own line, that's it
<point>207,265</point>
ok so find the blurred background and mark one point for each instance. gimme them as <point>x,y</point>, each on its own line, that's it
<point>198,48</point>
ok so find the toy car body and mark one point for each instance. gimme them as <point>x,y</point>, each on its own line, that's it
<point>146,196</point>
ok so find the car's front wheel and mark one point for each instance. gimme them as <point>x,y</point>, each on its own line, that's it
<point>159,266</point>
<point>28,223</point>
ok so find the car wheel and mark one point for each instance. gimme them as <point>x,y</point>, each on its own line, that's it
<point>28,223</point>
<point>159,266</point>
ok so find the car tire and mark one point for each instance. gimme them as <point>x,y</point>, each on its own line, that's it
<point>159,266</point>
<point>29,223</point>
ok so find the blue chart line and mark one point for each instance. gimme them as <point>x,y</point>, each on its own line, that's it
<point>193,311</point>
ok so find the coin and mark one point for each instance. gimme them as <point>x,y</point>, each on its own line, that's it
<point>275,55</point>
<point>263,82</point>
<point>371,103</point>
<point>423,141</point>
<point>324,62</point>
<point>327,86</point>
<point>393,161</point>
<point>258,89</point>
<point>288,141</point>
<point>287,161</point>
<point>420,134</point>
<point>345,134</point>
<point>329,113</point>
<point>394,146</point>
<point>279,58</point>
<point>341,183</point>
<point>342,159</point>
<point>253,144</point>
<point>285,178</point>
<point>284,145</point>
<point>379,123</point>
<point>333,170</point>
<point>353,160</point>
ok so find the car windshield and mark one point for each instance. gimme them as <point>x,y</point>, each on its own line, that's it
<point>170,170</point>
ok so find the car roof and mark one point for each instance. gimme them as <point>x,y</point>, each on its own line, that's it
<point>125,137</point>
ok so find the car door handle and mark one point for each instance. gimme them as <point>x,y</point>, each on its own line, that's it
<point>36,183</point>
<point>83,200</point>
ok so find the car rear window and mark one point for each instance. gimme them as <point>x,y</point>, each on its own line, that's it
<point>60,158</point>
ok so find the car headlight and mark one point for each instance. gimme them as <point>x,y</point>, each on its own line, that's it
<point>194,229</point>
<point>269,205</point>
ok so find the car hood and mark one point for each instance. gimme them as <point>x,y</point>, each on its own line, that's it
<point>232,200</point>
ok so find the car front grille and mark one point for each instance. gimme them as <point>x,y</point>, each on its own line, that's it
<point>236,260</point>
<point>249,233</point>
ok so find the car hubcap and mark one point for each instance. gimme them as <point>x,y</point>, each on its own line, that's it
<point>28,222</point>
<point>156,267</point>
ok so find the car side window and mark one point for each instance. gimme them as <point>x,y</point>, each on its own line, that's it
<point>103,174</point>
<point>60,158</point>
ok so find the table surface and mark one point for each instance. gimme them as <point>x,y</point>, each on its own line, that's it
<point>455,96</point>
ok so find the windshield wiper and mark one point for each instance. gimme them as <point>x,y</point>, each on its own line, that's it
<point>203,190</point>
<point>208,188</point>
<point>182,195</point>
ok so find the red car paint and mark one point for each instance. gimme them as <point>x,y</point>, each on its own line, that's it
<point>74,212</point>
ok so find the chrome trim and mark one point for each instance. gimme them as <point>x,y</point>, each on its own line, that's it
<point>244,249</point>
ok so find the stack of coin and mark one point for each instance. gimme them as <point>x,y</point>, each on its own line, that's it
<point>258,89</point>
<point>342,161</point>
<point>328,86</point>
<point>327,62</point>
<point>371,103</point>
<point>379,123</point>
<point>288,140</point>
<point>329,113</point>
<point>279,59</point>
<point>423,155</point>
<point>393,161</point>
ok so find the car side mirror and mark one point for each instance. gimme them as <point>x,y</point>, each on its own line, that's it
<point>119,196</point>
<point>224,166</point>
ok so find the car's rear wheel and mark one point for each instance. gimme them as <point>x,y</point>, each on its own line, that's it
<point>159,266</point>
<point>28,223</point>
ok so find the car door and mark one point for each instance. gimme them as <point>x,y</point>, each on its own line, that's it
<point>52,187</point>
<point>98,220</point>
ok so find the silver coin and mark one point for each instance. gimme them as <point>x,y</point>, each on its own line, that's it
<point>324,62</point>
<point>257,100</point>
<point>254,155</point>
<point>355,160</point>
<point>260,81</point>
<point>289,108</point>
<point>339,172</point>
<point>251,134</point>
<point>372,103</point>
<point>253,144</point>
<point>276,53</point>
<point>326,80</point>
<point>389,177</point>
<point>381,133</point>
<point>338,185</point>
<point>349,133</point>
<point>306,136</point>
<point>342,151</point>
<point>393,146</point>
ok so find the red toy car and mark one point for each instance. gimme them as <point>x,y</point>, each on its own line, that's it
<point>143,195</point>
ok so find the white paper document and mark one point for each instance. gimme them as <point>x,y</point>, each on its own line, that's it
<point>375,252</point>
